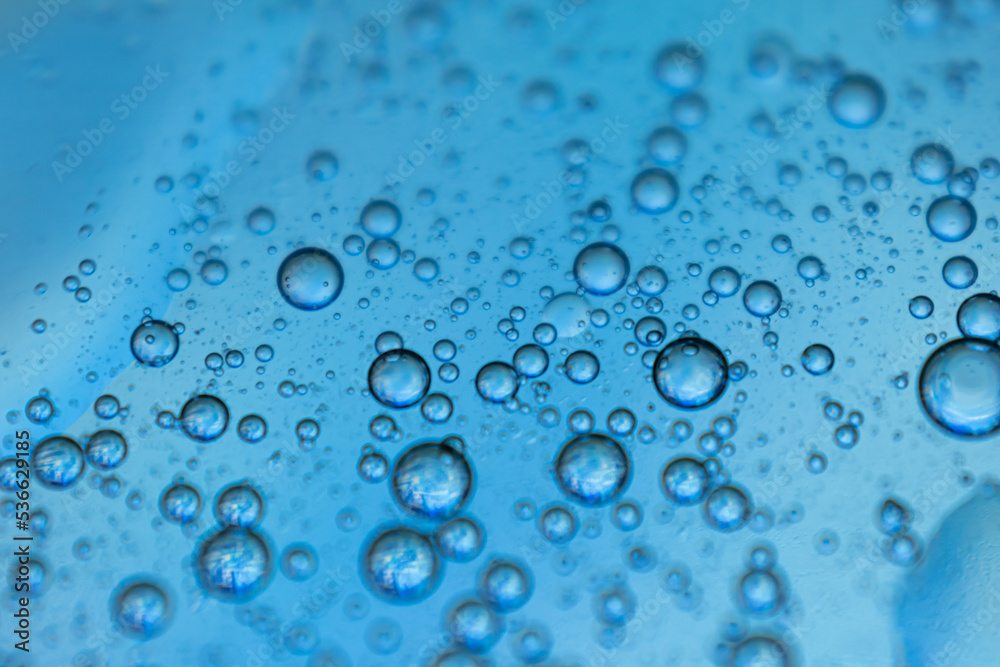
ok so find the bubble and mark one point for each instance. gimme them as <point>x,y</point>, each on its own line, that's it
<point>677,69</point>
<point>531,360</point>
<point>626,516</point>
<point>426,269</point>
<point>932,164</point>
<point>234,565</point>
<point>322,166</point>
<point>299,561</point>
<point>399,565</point>
<point>760,592</point>
<point>601,268</point>
<point>564,315</point>
<point>921,307</point>
<point>460,540</point>
<point>239,505</point>
<point>979,317</point>
<point>57,462</point>
<point>727,509</point>
<point>252,428</point>
<point>178,280</point>
<point>724,281</point>
<point>592,470</point>
<point>180,503</point>
<point>615,607</point>
<point>651,280</point>
<point>399,378</point>
<point>690,373</point>
<point>141,610</point>
<point>582,367</point>
<point>540,97</point>
<point>39,410</point>
<point>496,382</point>
<point>473,627</point>
<point>106,449</point>
<point>204,418</point>
<point>214,272</point>
<point>621,421</point>
<point>650,331</point>
<point>857,101</point>
<point>684,481</point>
<point>959,387</point>
<point>381,219</point>
<point>373,467</point>
<point>655,191</point>
<point>762,298</point>
<point>310,278</point>
<point>960,272</point>
<point>436,408</point>
<point>505,586</point>
<point>951,218</point>
<point>667,146</point>
<point>817,359</point>
<point>558,525</point>
<point>760,652</point>
<point>260,221</point>
<point>432,481</point>
<point>154,343</point>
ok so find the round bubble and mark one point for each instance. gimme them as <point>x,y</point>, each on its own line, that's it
<point>141,609</point>
<point>817,359</point>
<point>57,462</point>
<point>960,272</point>
<point>651,280</point>
<point>921,307</point>
<point>601,268</point>
<point>154,343</point>
<point>204,418</point>
<point>655,191</point>
<point>234,565</point>
<point>252,428</point>
<point>260,220</point>
<point>979,316</point>
<point>106,449</point>
<point>432,481</point>
<point>381,219</point>
<point>760,592</point>
<point>436,408</point>
<point>310,278</point>
<point>951,218</point>
<point>667,145</point>
<point>299,561</point>
<point>932,164</point>
<point>724,281</point>
<point>505,586</point>
<point>399,378</point>
<point>239,505</point>
<point>857,101</point>
<point>678,69</point>
<point>558,525</point>
<point>531,360</point>
<point>960,387</point>
<point>582,367</point>
<point>762,298</point>
<point>568,314</point>
<point>690,373</point>
<point>474,627</point>
<point>460,540</point>
<point>684,481</point>
<point>180,503</point>
<point>727,509</point>
<point>592,470</point>
<point>322,165</point>
<point>496,382</point>
<point>400,565</point>
<point>760,652</point>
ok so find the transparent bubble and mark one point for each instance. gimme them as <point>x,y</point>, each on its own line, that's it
<point>727,509</point>
<point>960,272</point>
<point>399,378</point>
<point>234,565</point>
<point>601,268</point>
<point>857,101</point>
<point>760,652</point>
<point>505,586</point>
<point>252,428</point>
<point>761,592</point>
<point>979,316</point>
<point>261,220</point>
<point>565,316</point>
<point>180,503</point>
<point>558,524</point>
<point>921,307</point>
<point>426,269</point>
<point>810,268</point>
<point>678,69</point>
<point>141,610</point>
<point>299,561</point>
<point>436,408</point>
<point>460,540</point>
<point>383,254</point>
<point>762,298</point>
<point>154,343</point>
<point>322,166</point>
<point>684,481</point>
<point>178,280</point>
<point>239,505</point>
<point>373,467</point>
<point>106,449</point>
<point>650,331</point>
<point>214,272</point>
<point>473,626</point>
<point>204,418</point>
<point>655,191</point>
<point>582,367</point>
<point>592,470</point>
<point>690,373</point>
<point>381,219</point>
<point>959,387</point>
<point>932,164</point>
<point>667,146</point>
<point>621,421</point>
<point>400,565</point>
<point>310,278</point>
<point>651,280</point>
<point>496,382</point>
<point>57,462</point>
<point>951,218</point>
<point>724,281</point>
<point>432,481</point>
<point>817,359</point>
<point>39,410</point>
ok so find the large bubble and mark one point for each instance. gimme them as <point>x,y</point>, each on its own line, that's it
<point>857,101</point>
<point>432,481</point>
<point>234,565</point>
<point>310,278</point>
<point>690,373</point>
<point>601,268</point>
<point>960,387</point>
<point>400,565</point>
<point>154,343</point>
<point>57,462</point>
<point>951,218</point>
<point>141,609</point>
<point>592,470</point>
<point>204,418</point>
<point>399,378</point>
